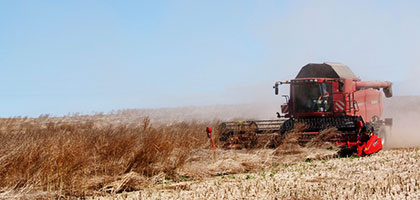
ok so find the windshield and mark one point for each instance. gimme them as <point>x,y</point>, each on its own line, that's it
<point>312,97</point>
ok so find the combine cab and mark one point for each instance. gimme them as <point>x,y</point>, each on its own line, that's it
<point>322,96</point>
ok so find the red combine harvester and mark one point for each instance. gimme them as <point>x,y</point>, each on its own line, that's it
<point>322,96</point>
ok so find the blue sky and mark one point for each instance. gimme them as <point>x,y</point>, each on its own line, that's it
<point>61,57</point>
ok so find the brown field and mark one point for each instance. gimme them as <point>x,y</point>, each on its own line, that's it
<point>125,155</point>
<point>390,174</point>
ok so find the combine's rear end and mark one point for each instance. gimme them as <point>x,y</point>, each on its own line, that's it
<point>322,96</point>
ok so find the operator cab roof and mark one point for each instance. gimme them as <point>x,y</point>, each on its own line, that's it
<point>326,70</point>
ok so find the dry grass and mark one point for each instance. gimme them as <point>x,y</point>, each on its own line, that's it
<point>319,140</point>
<point>82,158</point>
<point>289,144</point>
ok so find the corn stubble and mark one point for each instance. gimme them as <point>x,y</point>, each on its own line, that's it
<point>391,174</point>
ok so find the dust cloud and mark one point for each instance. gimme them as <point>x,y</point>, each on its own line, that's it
<point>405,112</point>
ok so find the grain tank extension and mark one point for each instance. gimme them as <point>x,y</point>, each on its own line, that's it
<point>323,96</point>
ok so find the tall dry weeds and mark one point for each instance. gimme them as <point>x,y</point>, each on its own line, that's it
<point>289,142</point>
<point>322,138</point>
<point>76,158</point>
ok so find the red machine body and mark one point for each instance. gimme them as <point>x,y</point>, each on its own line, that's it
<point>322,96</point>
<point>350,100</point>
<point>348,95</point>
<point>331,92</point>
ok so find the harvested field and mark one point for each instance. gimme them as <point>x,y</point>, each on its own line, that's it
<point>111,156</point>
<point>391,174</point>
